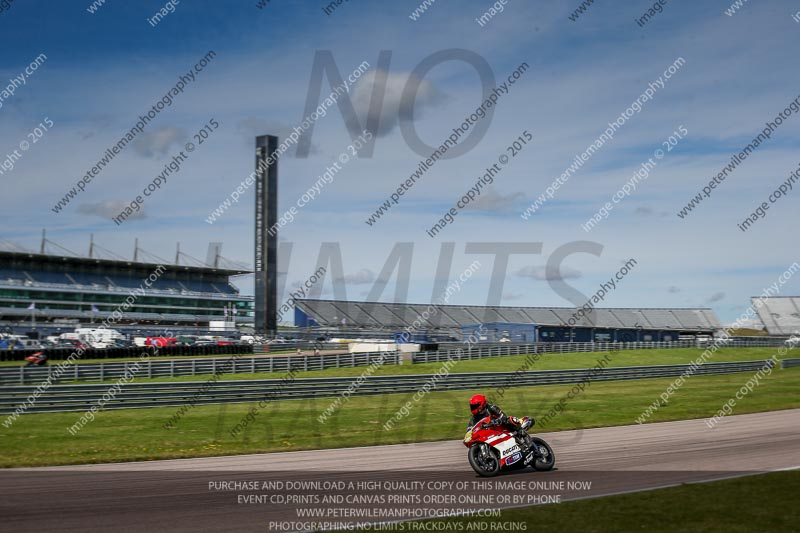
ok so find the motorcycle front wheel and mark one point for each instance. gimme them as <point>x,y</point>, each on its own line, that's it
<point>546,459</point>
<point>485,464</point>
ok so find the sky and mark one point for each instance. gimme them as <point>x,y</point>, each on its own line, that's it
<point>103,69</point>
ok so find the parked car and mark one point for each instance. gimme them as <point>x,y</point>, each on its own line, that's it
<point>205,342</point>
<point>121,343</point>
<point>161,341</point>
<point>73,344</point>
<point>186,340</point>
<point>10,344</point>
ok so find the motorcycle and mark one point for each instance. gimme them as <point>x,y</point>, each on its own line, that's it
<point>36,359</point>
<point>492,448</point>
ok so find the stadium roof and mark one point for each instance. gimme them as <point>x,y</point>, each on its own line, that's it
<point>10,257</point>
<point>393,315</point>
<point>780,315</point>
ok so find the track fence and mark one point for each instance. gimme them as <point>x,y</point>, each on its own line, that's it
<point>192,367</point>
<point>283,363</point>
<point>790,363</point>
<point>133,395</point>
<point>502,349</point>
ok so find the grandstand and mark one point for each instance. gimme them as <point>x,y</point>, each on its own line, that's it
<point>780,315</point>
<point>59,292</point>
<point>552,324</point>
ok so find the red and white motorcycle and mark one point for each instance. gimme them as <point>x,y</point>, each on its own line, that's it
<point>492,448</point>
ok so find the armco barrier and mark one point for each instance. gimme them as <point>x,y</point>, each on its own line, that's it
<point>190,367</point>
<point>477,351</point>
<point>139,395</point>
<point>193,367</point>
<point>790,363</point>
<point>133,351</point>
<point>499,348</point>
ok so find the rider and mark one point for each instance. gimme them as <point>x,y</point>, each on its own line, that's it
<point>480,409</point>
<point>37,359</point>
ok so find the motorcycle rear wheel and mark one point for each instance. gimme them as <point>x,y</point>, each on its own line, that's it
<point>546,459</point>
<point>486,466</point>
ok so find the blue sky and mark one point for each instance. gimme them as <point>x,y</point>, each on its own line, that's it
<point>106,68</point>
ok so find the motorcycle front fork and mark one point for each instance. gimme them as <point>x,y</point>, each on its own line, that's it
<point>527,443</point>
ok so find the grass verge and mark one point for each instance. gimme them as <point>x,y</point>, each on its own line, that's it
<point>759,503</point>
<point>139,434</point>
<point>548,361</point>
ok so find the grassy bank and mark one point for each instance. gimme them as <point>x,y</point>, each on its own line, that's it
<point>550,361</point>
<point>729,505</point>
<point>138,434</point>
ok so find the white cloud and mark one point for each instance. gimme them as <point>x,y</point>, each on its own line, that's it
<point>511,296</point>
<point>541,273</point>
<point>491,200</point>
<point>157,143</point>
<point>362,277</point>
<point>394,109</point>
<point>109,209</point>
<point>716,297</point>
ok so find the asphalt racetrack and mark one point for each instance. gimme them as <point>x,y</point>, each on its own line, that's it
<point>333,488</point>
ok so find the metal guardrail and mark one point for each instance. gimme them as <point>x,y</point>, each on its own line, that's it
<point>191,367</point>
<point>449,347</point>
<point>155,368</point>
<point>132,351</point>
<point>478,351</point>
<point>746,342</point>
<point>141,395</point>
<point>180,351</point>
<point>501,349</point>
<point>790,363</point>
<point>293,345</point>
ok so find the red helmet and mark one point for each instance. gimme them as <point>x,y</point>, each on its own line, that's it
<point>477,403</point>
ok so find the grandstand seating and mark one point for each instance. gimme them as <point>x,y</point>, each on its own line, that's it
<point>513,315</point>
<point>64,287</point>
<point>541,316</point>
<point>629,317</point>
<point>350,313</point>
<point>443,319</point>
<point>112,281</point>
<point>460,315</point>
<point>489,314</point>
<point>780,315</point>
<point>7,274</point>
<point>661,318</point>
<point>605,316</point>
<point>564,315</point>
<point>382,315</point>
<point>81,278</point>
